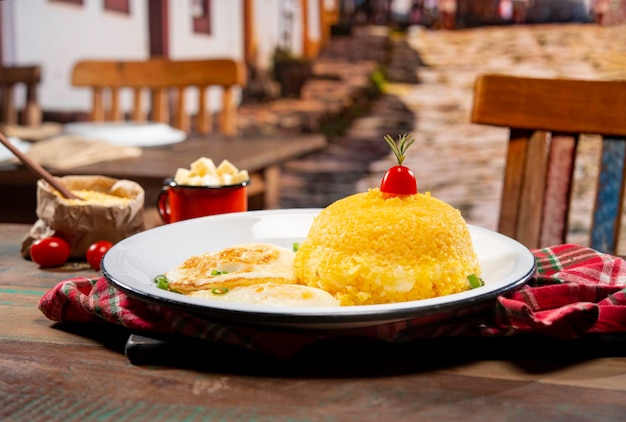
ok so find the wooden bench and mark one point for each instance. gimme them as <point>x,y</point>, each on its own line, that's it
<point>262,156</point>
<point>10,77</point>
<point>161,77</point>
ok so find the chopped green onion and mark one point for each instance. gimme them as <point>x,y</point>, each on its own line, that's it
<point>220,290</point>
<point>218,272</point>
<point>295,246</point>
<point>475,281</point>
<point>162,282</point>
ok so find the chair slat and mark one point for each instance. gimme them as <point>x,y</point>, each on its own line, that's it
<point>9,112</point>
<point>137,114</point>
<point>159,105</point>
<point>558,189</point>
<point>533,188</point>
<point>203,119</point>
<point>115,113</point>
<point>97,106</point>
<point>181,120</point>
<point>609,196</point>
<point>513,171</point>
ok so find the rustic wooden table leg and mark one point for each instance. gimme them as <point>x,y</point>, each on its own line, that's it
<point>271,176</point>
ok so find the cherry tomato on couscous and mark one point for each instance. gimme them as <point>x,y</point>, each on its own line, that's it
<point>399,180</point>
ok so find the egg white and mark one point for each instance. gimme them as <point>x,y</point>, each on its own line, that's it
<point>271,294</point>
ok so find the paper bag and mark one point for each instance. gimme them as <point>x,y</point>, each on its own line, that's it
<point>81,224</point>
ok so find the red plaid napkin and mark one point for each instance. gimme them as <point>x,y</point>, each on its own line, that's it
<point>575,290</point>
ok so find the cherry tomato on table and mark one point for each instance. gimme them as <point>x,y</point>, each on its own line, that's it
<point>49,252</point>
<point>96,251</point>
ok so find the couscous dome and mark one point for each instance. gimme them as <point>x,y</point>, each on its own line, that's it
<point>372,248</point>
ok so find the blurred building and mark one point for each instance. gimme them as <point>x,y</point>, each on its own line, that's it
<point>55,34</point>
<point>471,13</point>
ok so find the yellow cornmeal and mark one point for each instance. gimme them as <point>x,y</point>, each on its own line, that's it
<point>92,197</point>
<point>371,248</point>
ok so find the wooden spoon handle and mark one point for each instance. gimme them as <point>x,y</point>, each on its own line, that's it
<point>37,169</point>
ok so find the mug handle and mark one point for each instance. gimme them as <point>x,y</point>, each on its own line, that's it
<point>163,205</point>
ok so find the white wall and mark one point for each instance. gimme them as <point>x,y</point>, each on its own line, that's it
<point>294,42</point>
<point>267,14</point>
<point>314,20</point>
<point>56,35</point>
<point>272,25</point>
<point>225,39</point>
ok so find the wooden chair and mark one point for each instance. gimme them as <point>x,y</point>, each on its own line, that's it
<point>546,117</point>
<point>10,77</point>
<point>159,77</point>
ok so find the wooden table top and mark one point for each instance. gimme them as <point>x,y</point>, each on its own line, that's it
<point>55,372</point>
<point>253,153</point>
<point>250,153</point>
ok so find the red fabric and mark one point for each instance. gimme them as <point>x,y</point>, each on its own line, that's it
<point>574,291</point>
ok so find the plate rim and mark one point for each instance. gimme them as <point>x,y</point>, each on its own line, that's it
<point>86,129</point>
<point>313,318</point>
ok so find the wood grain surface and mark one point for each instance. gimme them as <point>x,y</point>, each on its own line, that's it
<point>51,371</point>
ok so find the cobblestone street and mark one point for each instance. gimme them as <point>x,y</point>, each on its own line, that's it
<point>457,161</point>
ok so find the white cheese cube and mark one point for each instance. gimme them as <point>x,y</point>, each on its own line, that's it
<point>226,167</point>
<point>241,177</point>
<point>203,166</point>
<point>181,176</point>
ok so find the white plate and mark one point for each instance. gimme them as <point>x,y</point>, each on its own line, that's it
<point>132,264</point>
<point>148,134</point>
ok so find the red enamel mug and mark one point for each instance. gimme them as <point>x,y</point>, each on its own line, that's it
<point>182,202</point>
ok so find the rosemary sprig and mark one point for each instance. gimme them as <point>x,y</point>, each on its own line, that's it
<point>399,148</point>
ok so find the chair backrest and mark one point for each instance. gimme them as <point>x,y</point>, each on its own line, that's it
<point>10,77</point>
<point>161,77</point>
<point>546,118</point>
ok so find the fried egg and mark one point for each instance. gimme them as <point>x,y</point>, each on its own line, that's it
<point>241,265</point>
<point>271,294</point>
